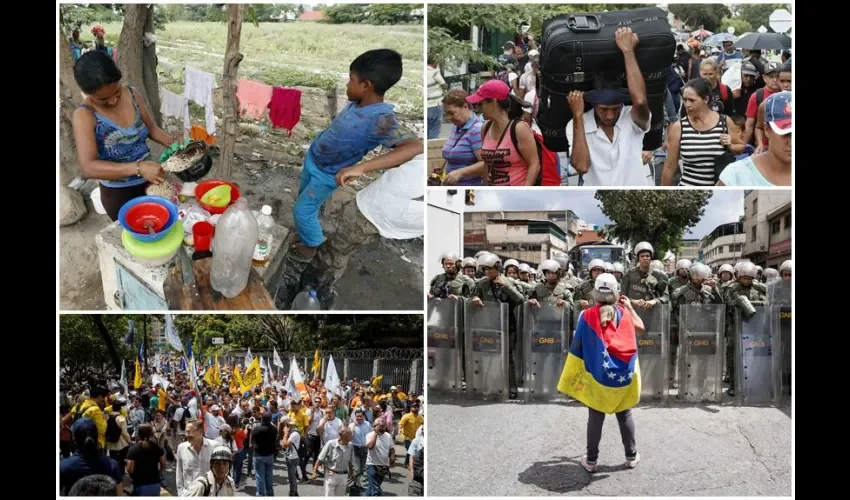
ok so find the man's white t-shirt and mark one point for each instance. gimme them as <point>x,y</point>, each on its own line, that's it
<point>617,162</point>
<point>380,454</point>
<point>332,429</point>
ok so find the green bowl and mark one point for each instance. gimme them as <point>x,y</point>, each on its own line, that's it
<point>155,253</point>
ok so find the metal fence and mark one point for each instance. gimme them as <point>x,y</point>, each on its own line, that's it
<point>399,367</point>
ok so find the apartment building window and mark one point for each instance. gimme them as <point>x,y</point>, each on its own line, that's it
<point>755,206</point>
<point>788,221</point>
<point>753,232</point>
<point>775,227</point>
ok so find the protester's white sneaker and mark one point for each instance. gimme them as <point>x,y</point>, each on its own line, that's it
<point>631,464</point>
<point>588,466</point>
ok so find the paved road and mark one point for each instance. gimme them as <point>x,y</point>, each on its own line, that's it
<point>519,449</point>
<point>395,486</point>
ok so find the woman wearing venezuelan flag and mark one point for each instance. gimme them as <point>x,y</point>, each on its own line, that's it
<point>602,367</point>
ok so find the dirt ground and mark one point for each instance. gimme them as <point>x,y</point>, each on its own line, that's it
<point>267,169</point>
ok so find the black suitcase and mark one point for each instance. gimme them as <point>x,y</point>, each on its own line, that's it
<point>576,49</point>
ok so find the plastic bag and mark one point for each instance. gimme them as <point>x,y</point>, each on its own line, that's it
<point>170,150</point>
<point>390,204</point>
<point>732,77</point>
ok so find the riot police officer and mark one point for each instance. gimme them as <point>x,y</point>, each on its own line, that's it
<point>524,273</point>
<point>512,273</point>
<point>681,278</point>
<point>741,296</point>
<point>496,287</point>
<point>785,270</point>
<point>770,275</point>
<point>619,271</point>
<point>450,284</point>
<point>583,297</point>
<point>701,289</point>
<point>469,267</point>
<point>552,291</point>
<point>644,286</point>
<point>726,274</point>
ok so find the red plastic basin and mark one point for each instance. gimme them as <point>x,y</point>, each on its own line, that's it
<point>147,212</point>
<point>205,186</point>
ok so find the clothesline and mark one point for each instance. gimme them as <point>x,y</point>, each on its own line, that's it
<point>284,104</point>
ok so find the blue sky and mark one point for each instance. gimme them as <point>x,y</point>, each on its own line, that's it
<point>724,206</point>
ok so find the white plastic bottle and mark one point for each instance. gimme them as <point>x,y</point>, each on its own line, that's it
<point>233,247</point>
<point>306,301</point>
<point>265,224</point>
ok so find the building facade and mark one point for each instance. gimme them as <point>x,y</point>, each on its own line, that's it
<point>475,230</point>
<point>724,245</point>
<point>779,242</point>
<point>758,205</point>
<point>525,240</point>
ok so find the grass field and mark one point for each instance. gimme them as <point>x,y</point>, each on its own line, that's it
<point>304,54</point>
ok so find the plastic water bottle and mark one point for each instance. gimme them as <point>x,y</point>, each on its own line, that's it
<point>306,301</point>
<point>233,247</point>
<point>265,224</point>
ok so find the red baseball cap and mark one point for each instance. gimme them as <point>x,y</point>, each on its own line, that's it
<point>492,89</point>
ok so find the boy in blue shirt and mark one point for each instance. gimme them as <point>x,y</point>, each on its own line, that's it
<point>365,123</point>
<point>740,123</point>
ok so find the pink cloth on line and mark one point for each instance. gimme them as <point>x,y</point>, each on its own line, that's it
<point>253,98</point>
<point>285,108</point>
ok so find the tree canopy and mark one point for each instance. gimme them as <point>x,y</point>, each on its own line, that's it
<point>758,14</point>
<point>708,15</point>
<point>81,343</point>
<point>659,217</point>
<point>378,14</point>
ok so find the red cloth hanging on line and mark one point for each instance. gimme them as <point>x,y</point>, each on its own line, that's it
<point>285,108</point>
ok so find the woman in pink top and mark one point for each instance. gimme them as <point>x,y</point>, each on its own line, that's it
<point>507,162</point>
<point>386,416</point>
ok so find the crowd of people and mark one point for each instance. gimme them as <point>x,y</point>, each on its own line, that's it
<point>487,278</point>
<point>715,133</point>
<point>115,441</point>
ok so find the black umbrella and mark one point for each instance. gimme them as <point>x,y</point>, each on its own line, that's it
<point>764,41</point>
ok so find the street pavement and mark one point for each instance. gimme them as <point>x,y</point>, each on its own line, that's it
<point>395,486</point>
<point>531,449</point>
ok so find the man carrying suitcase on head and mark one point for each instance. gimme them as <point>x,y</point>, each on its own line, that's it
<point>607,140</point>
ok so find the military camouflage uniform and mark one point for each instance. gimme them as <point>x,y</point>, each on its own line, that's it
<point>523,287</point>
<point>544,294</point>
<point>676,282</point>
<point>757,295</point>
<point>510,295</point>
<point>445,285</point>
<point>637,285</point>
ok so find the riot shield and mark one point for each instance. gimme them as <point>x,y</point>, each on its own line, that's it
<point>654,352</point>
<point>779,294</point>
<point>758,360</point>
<point>445,340</point>
<point>486,338</point>
<point>545,343</point>
<point>701,330</point>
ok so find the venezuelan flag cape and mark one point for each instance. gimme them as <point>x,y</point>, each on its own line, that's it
<point>602,366</point>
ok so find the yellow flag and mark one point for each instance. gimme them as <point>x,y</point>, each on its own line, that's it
<point>252,376</point>
<point>236,375</point>
<point>209,376</point>
<point>137,381</point>
<point>217,374</point>
<point>317,365</point>
<point>376,382</point>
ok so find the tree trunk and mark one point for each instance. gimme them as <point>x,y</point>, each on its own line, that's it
<point>232,58</point>
<point>107,339</point>
<point>131,46</point>
<point>150,78</point>
<point>69,98</point>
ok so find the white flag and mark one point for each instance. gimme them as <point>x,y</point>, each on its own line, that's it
<point>263,365</point>
<point>171,334</point>
<point>277,362</point>
<point>159,379</point>
<point>332,379</point>
<point>123,380</point>
<point>266,382</point>
<point>248,358</point>
<point>295,382</point>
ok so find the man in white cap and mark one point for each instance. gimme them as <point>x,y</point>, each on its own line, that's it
<point>213,422</point>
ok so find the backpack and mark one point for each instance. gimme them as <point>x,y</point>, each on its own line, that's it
<point>549,174</point>
<point>724,92</point>
<point>759,97</point>
<point>113,430</point>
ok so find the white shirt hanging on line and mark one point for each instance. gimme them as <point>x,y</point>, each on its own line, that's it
<point>173,104</point>
<point>199,87</point>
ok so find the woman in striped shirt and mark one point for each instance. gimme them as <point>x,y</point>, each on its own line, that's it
<point>699,138</point>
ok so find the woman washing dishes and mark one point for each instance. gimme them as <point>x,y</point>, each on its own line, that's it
<point>771,167</point>
<point>111,129</point>
<point>602,367</point>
